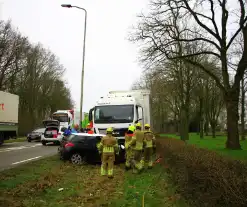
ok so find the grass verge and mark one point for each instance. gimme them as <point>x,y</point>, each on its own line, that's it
<point>20,139</point>
<point>154,185</point>
<point>216,144</point>
<point>50,182</point>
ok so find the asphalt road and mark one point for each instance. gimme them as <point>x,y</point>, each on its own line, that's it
<point>14,154</point>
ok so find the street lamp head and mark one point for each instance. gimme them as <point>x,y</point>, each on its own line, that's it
<point>66,5</point>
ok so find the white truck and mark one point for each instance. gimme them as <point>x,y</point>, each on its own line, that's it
<point>53,132</point>
<point>9,105</point>
<point>65,117</point>
<point>60,119</point>
<point>68,117</point>
<point>120,109</point>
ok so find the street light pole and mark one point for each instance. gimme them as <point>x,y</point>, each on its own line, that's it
<point>83,56</point>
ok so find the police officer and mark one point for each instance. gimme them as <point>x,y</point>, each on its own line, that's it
<point>137,144</point>
<point>108,147</point>
<point>75,129</point>
<point>128,148</point>
<point>149,145</point>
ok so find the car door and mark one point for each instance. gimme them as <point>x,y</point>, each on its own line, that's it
<point>87,145</point>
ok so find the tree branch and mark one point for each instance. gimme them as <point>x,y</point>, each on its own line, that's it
<point>210,73</point>
<point>199,22</point>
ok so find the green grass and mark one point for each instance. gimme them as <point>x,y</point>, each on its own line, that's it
<point>216,144</point>
<point>38,183</point>
<point>20,139</point>
<point>154,185</point>
<point>31,171</point>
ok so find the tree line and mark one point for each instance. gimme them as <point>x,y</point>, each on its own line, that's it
<point>35,74</point>
<point>195,59</point>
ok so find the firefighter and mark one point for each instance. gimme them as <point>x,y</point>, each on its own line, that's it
<point>108,147</point>
<point>89,129</point>
<point>149,145</point>
<point>137,144</point>
<point>128,149</point>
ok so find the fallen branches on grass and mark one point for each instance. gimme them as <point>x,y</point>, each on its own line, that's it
<point>203,176</point>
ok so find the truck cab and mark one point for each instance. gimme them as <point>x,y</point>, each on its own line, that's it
<point>53,132</point>
<point>120,109</point>
<point>65,117</point>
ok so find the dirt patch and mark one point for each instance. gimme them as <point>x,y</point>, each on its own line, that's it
<point>14,197</point>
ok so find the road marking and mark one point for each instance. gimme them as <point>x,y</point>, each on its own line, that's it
<point>15,163</point>
<point>19,148</point>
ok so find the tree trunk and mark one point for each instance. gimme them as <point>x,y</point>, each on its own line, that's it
<point>184,125</point>
<point>206,127</point>
<point>179,127</point>
<point>242,110</point>
<point>201,119</point>
<point>213,127</point>
<point>232,100</point>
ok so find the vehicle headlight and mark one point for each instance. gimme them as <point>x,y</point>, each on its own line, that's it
<point>122,147</point>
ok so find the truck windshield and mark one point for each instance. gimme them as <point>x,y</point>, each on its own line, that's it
<point>61,117</point>
<point>114,114</point>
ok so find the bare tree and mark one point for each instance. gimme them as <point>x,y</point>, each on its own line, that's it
<point>35,74</point>
<point>181,21</point>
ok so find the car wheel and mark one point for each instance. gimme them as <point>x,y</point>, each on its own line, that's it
<point>44,143</point>
<point>77,159</point>
<point>29,140</point>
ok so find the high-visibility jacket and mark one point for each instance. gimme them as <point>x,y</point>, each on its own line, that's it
<point>108,144</point>
<point>128,138</point>
<point>137,140</point>
<point>149,139</point>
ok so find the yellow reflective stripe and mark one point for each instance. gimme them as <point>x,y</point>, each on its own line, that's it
<point>149,144</point>
<point>102,171</point>
<point>110,171</point>
<point>108,149</point>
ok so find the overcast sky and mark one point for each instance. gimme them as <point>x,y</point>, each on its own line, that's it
<point>111,60</point>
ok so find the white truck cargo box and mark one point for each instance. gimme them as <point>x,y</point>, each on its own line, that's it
<point>9,104</point>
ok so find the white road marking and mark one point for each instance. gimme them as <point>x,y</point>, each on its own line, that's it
<point>19,148</point>
<point>15,163</point>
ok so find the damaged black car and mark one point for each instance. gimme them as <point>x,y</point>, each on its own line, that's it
<point>81,148</point>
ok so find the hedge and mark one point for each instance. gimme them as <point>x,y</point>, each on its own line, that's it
<point>203,176</point>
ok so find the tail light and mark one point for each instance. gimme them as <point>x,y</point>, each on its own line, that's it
<point>69,144</point>
<point>59,133</point>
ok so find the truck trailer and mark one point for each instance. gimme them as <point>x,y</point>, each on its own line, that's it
<point>120,109</point>
<point>9,105</point>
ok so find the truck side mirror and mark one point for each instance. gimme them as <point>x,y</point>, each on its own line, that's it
<point>138,120</point>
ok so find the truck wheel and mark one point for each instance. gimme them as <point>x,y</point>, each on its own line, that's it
<point>1,138</point>
<point>43,142</point>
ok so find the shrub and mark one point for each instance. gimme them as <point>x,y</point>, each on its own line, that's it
<point>203,176</point>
